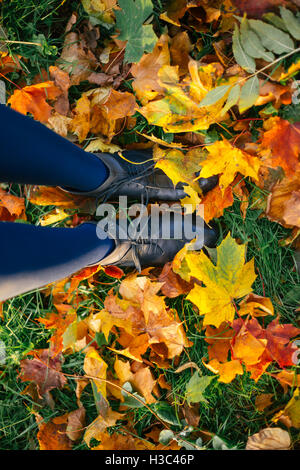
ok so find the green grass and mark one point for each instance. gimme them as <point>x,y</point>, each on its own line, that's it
<point>230,412</point>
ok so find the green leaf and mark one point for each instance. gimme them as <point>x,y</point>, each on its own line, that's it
<point>272,38</point>
<point>195,388</point>
<point>149,38</point>
<point>214,95</point>
<point>252,44</point>
<point>165,412</point>
<point>249,94</point>
<point>130,400</point>
<point>291,22</point>
<point>165,437</point>
<point>275,20</point>
<point>140,38</point>
<point>242,58</point>
<point>233,98</point>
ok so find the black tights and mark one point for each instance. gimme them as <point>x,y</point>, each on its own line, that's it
<point>33,256</point>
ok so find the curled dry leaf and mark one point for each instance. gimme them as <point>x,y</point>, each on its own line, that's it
<point>269,439</point>
<point>173,284</point>
<point>8,63</point>
<point>76,59</point>
<point>283,204</point>
<point>76,424</point>
<point>44,370</point>
<point>11,207</point>
<point>263,401</point>
<point>62,81</point>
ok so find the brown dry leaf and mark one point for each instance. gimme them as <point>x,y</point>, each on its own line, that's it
<point>145,313</point>
<point>144,383</point>
<point>175,10</point>
<point>59,124</point>
<point>173,284</point>
<point>9,64</point>
<point>76,424</point>
<point>145,72</point>
<point>11,207</point>
<point>62,81</point>
<point>269,439</point>
<point>120,104</point>
<point>44,370</point>
<point>192,414</point>
<point>76,59</point>
<point>263,401</point>
<point>180,48</point>
<point>283,203</point>
<point>291,215</point>
<point>32,99</point>
<point>53,435</point>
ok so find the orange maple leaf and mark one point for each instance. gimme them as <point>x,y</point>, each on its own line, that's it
<point>32,99</point>
<point>283,139</point>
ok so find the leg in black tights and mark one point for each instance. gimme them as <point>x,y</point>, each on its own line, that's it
<point>30,153</point>
<point>31,256</point>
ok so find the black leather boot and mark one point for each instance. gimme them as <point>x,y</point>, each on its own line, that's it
<point>151,248</point>
<point>139,180</point>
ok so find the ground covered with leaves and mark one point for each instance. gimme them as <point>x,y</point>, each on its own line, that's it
<point>201,354</point>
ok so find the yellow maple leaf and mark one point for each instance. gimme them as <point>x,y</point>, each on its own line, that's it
<point>231,278</point>
<point>178,110</point>
<point>96,367</point>
<point>227,160</point>
<point>181,167</point>
<point>227,371</point>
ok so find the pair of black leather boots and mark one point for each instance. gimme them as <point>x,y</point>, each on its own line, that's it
<point>135,177</point>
